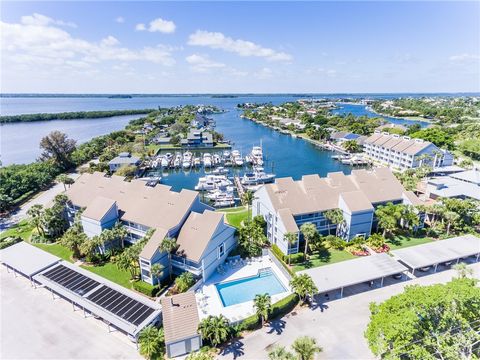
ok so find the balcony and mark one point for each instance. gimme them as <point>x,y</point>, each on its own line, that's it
<point>187,265</point>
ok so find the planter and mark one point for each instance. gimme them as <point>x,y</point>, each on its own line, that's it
<point>383,249</point>
<point>360,253</point>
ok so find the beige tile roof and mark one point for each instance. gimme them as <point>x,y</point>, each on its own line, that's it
<point>155,207</point>
<point>414,200</point>
<point>398,143</point>
<point>356,201</point>
<point>314,194</point>
<point>97,209</point>
<point>153,243</point>
<point>196,233</point>
<point>288,220</point>
<point>180,317</point>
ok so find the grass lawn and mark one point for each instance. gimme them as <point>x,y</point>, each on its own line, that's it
<point>23,229</point>
<point>235,216</point>
<point>112,273</point>
<point>57,250</point>
<point>325,257</point>
<point>402,241</point>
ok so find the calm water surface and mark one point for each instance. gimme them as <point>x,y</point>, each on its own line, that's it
<point>286,156</point>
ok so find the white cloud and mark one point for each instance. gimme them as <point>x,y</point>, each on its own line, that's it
<point>42,20</point>
<point>217,40</point>
<point>158,25</point>
<point>36,41</point>
<point>464,57</point>
<point>263,74</point>
<point>200,63</point>
<point>120,19</point>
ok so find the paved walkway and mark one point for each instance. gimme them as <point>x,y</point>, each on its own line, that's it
<point>338,325</point>
<point>34,326</point>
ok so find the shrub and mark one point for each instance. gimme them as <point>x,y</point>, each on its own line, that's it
<point>279,255</point>
<point>284,306</point>
<point>184,282</point>
<point>251,323</point>
<point>145,288</point>
<point>296,258</point>
<point>8,241</point>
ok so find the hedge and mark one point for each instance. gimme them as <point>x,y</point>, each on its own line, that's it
<point>145,288</point>
<point>280,256</point>
<point>278,309</point>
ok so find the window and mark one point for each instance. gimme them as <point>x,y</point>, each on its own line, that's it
<point>221,250</point>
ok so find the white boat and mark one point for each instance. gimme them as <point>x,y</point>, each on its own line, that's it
<point>177,161</point>
<point>217,195</point>
<point>220,171</point>
<point>224,203</point>
<point>212,182</point>
<point>226,154</point>
<point>216,159</point>
<point>187,160</point>
<point>258,176</point>
<point>166,159</point>
<point>197,162</point>
<point>207,160</point>
<point>237,158</point>
<point>257,155</point>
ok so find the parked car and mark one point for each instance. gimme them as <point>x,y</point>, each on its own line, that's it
<point>424,269</point>
<point>397,276</point>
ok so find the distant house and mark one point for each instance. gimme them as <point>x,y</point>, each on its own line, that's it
<point>287,122</point>
<point>402,152</point>
<point>203,237</point>
<point>462,185</point>
<point>340,137</point>
<point>123,159</point>
<point>198,138</point>
<point>387,126</point>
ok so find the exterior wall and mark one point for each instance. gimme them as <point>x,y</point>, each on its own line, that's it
<point>145,266</point>
<point>183,347</point>
<point>93,227</point>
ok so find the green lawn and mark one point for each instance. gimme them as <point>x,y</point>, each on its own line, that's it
<point>402,241</point>
<point>325,257</point>
<point>57,250</point>
<point>23,229</point>
<point>112,273</point>
<point>235,216</point>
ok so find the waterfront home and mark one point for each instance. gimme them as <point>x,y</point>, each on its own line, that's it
<point>387,126</point>
<point>198,139</point>
<point>339,137</point>
<point>287,204</point>
<point>402,152</point>
<point>123,159</point>
<point>204,239</point>
<point>180,324</point>
<point>461,185</point>
<point>285,122</point>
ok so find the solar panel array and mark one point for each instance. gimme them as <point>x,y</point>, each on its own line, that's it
<point>71,280</point>
<point>123,306</point>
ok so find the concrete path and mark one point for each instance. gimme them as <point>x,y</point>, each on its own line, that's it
<point>34,326</point>
<point>338,325</point>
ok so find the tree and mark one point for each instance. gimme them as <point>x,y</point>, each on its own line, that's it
<point>351,146</point>
<point>168,245</point>
<point>128,259</point>
<point>388,216</point>
<point>65,180</point>
<point>57,147</point>
<point>306,348</point>
<point>262,304</point>
<point>450,217</point>
<point>73,240</point>
<point>126,170</point>
<point>309,232</point>
<point>376,241</point>
<point>427,322</point>
<point>157,271</point>
<point>151,342</point>
<point>214,329</point>
<point>303,286</point>
<point>90,246</point>
<point>35,214</point>
<point>247,199</point>
<point>409,217</point>
<point>184,282</point>
<point>334,216</point>
<point>291,238</point>
<point>463,270</point>
<point>252,237</point>
<point>280,353</point>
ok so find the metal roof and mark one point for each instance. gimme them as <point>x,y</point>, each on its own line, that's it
<point>27,259</point>
<point>353,272</point>
<point>438,251</point>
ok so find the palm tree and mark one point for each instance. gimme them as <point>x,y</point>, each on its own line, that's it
<point>280,353</point>
<point>247,199</point>
<point>36,214</point>
<point>463,271</point>
<point>387,216</point>
<point>214,329</point>
<point>157,271</point>
<point>309,232</point>
<point>306,347</point>
<point>291,238</point>
<point>451,218</point>
<point>150,342</point>
<point>334,216</point>
<point>168,245</point>
<point>262,304</point>
<point>65,180</point>
<point>351,146</point>
<point>73,240</point>
<point>303,286</point>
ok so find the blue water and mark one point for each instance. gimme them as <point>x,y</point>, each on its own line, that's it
<point>242,290</point>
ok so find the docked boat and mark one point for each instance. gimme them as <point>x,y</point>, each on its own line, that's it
<point>217,159</point>
<point>187,160</point>
<point>197,162</point>
<point>177,161</point>
<point>258,176</point>
<point>166,159</point>
<point>220,171</point>
<point>237,158</point>
<point>213,182</point>
<point>207,160</point>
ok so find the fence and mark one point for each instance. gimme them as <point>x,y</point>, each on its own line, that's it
<point>277,262</point>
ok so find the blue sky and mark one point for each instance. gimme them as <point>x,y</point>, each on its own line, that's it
<point>214,47</point>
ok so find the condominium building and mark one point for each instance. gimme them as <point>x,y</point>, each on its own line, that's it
<point>402,152</point>
<point>287,204</point>
<point>203,237</point>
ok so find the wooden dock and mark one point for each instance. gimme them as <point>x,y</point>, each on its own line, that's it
<point>239,186</point>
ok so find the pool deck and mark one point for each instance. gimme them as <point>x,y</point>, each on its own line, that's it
<point>212,304</point>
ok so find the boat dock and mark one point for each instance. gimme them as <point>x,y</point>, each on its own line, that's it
<point>239,186</point>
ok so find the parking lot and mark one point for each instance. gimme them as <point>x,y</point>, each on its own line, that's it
<point>34,326</point>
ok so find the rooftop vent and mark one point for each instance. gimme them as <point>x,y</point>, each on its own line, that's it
<point>407,138</point>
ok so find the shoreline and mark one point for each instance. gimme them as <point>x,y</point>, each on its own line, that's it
<point>407,118</point>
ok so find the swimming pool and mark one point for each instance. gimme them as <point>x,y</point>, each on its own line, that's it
<point>242,290</point>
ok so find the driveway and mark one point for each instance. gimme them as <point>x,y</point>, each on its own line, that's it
<point>43,198</point>
<point>338,325</point>
<point>34,326</point>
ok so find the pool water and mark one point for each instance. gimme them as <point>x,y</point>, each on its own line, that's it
<point>242,290</point>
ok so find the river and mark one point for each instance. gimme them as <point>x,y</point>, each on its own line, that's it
<point>286,156</point>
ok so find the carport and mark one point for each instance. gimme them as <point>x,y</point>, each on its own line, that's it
<point>437,252</point>
<point>352,272</point>
<point>27,260</point>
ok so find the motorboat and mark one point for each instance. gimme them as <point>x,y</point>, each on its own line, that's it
<point>258,176</point>
<point>220,171</point>
<point>177,161</point>
<point>207,160</point>
<point>187,160</point>
<point>166,159</point>
<point>212,182</point>
<point>197,162</point>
